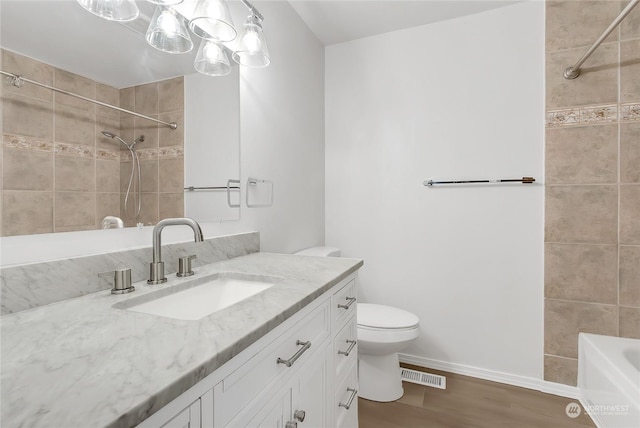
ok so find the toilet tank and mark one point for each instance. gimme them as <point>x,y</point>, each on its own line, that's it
<point>320,252</point>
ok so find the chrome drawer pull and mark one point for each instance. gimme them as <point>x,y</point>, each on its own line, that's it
<point>292,360</point>
<point>353,392</point>
<point>348,351</point>
<point>348,305</point>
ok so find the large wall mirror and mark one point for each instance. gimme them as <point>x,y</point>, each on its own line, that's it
<point>61,172</point>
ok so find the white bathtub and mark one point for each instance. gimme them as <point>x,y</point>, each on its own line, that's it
<point>609,379</point>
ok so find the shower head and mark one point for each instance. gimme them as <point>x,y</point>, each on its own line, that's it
<point>112,135</point>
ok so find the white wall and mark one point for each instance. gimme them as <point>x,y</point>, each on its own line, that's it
<point>459,99</point>
<point>282,139</point>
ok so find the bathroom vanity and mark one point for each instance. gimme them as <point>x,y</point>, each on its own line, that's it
<point>285,356</point>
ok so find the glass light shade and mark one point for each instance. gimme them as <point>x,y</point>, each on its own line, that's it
<point>212,20</point>
<point>252,50</point>
<point>166,2</point>
<point>168,32</point>
<point>212,59</point>
<point>112,10</point>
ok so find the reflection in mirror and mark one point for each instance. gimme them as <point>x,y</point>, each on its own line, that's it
<point>60,171</point>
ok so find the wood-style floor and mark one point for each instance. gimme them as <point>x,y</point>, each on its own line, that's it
<point>470,403</point>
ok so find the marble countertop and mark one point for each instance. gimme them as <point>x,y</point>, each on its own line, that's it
<point>82,362</point>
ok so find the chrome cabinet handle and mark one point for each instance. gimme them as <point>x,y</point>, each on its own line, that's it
<point>291,425</point>
<point>353,392</point>
<point>348,351</point>
<point>299,415</point>
<point>292,360</point>
<point>348,305</point>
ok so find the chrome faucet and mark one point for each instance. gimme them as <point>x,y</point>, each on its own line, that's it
<point>156,267</point>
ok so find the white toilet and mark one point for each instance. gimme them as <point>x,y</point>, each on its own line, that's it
<point>383,331</point>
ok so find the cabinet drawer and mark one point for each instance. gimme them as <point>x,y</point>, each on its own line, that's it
<point>345,349</point>
<point>343,303</point>
<point>263,369</point>
<point>346,401</point>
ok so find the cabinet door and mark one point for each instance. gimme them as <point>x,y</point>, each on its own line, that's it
<point>188,418</point>
<point>273,415</point>
<point>311,396</point>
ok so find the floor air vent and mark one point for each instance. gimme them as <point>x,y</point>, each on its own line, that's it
<point>427,379</point>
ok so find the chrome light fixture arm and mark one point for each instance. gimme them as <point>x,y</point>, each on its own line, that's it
<point>253,9</point>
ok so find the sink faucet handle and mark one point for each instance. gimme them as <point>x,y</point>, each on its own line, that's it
<point>121,280</point>
<point>184,266</point>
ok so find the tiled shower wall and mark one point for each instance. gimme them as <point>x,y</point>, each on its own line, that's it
<point>592,221</point>
<point>161,153</point>
<point>59,173</point>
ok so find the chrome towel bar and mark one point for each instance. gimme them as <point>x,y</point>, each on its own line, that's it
<point>523,180</point>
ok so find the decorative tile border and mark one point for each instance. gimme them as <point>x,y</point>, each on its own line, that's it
<point>77,150</point>
<point>144,154</point>
<point>582,115</point>
<point>630,111</point>
<point>171,152</point>
<point>22,142</point>
<point>102,154</point>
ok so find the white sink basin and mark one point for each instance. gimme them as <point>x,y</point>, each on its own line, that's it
<point>199,297</point>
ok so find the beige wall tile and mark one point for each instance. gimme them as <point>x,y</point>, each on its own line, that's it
<point>109,95</point>
<point>563,321</point>
<point>171,174</point>
<point>31,69</point>
<point>25,213</point>
<point>149,211</point>
<point>630,152</point>
<point>630,322</point>
<point>582,155</point>
<point>75,125</point>
<point>630,276</point>
<point>75,209</point>
<point>598,83</point>
<point>581,214</point>
<point>125,175</point>
<point>171,137</point>
<point>561,370</point>
<point>150,131</point>
<point>27,170</point>
<point>78,85</point>
<point>149,180</point>
<point>106,204</point>
<point>565,23</point>
<point>171,205</point>
<point>27,116</point>
<point>629,214</point>
<point>128,100</point>
<point>585,273</point>
<point>75,174</point>
<point>171,95</point>
<point>630,26</point>
<point>108,176</point>
<point>630,71</point>
<point>127,129</point>
<point>146,99</point>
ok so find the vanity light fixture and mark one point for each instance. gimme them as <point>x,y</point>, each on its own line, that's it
<point>112,10</point>
<point>212,59</point>
<point>252,50</point>
<point>212,20</point>
<point>168,31</point>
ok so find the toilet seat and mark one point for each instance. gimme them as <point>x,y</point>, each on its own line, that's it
<point>382,318</point>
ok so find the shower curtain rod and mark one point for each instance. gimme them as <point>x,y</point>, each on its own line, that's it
<point>573,72</point>
<point>18,81</point>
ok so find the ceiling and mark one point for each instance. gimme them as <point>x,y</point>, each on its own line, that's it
<point>338,21</point>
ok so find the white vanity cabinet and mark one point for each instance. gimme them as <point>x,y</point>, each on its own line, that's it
<point>302,374</point>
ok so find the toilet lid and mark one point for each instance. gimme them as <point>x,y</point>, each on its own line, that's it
<point>381,316</point>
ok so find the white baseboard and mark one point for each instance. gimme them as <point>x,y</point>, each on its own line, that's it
<point>494,376</point>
